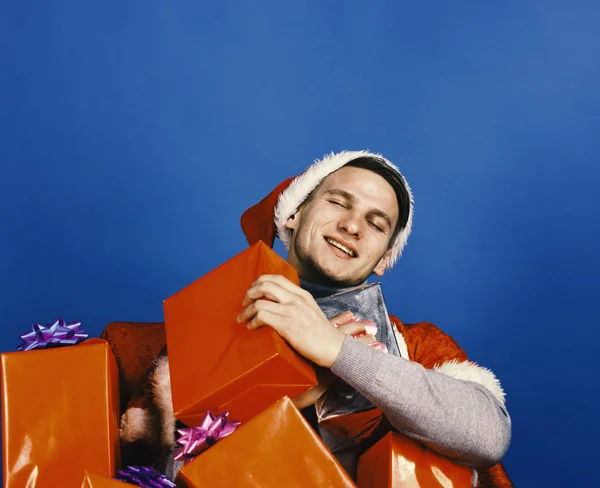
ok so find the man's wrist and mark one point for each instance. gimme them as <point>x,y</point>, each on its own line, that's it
<point>337,342</point>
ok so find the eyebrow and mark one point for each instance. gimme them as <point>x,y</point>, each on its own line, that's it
<point>348,196</point>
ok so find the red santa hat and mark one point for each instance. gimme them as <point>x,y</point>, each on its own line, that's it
<point>267,218</point>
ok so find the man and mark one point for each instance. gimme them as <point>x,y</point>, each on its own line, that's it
<point>346,217</point>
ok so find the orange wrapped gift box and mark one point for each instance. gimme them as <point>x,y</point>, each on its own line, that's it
<point>93,481</point>
<point>60,410</point>
<point>358,426</point>
<point>275,449</point>
<point>217,364</point>
<point>399,462</point>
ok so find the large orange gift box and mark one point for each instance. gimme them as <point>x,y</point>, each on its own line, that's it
<point>217,364</point>
<point>277,448</point>
<point>399,462</point>
<point>60,410</point>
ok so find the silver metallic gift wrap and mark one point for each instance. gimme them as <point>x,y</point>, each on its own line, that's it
<point>366,303</point>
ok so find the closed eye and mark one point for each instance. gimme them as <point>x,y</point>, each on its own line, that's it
<point>338,203</point>
<point>378,228</point>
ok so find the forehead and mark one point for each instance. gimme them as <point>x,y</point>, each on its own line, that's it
<point>367,188</point>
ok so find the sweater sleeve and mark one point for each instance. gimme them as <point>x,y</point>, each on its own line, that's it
<point>455,417</point>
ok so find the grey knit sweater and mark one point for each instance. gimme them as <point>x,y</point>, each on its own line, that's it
<point>460,419</point>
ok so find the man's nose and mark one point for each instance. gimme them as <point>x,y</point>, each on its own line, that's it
<point>351,225</point>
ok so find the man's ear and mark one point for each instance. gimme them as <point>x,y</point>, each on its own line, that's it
<point>292,222</point>
<point>381,266</point>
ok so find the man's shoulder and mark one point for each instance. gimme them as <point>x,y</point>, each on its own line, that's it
<point>417,328</point>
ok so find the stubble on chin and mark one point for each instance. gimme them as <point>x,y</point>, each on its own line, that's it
<point>314,272</point>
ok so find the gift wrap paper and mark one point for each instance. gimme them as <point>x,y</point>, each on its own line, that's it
<point>217,364</point>
<point>275,449</point>
<point>399,462</point>
<point>341,409</point>
<point>93,481</point>
<point>60,410</point>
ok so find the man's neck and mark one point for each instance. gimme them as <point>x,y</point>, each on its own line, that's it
<point>318,290</point>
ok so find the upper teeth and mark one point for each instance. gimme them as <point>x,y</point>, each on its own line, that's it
<point>350,252</point>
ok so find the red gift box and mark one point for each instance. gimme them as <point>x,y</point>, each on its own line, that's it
<point>60,412</point>
<point>217,364</point>
<point>277,448</point>
<point>399,462</point>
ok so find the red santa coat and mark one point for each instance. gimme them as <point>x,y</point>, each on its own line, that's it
<point>147,422</point>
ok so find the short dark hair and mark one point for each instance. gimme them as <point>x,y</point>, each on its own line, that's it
<point>389,174</point>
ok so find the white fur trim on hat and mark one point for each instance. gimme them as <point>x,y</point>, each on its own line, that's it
<point>469,371</point>
<point>299,189</point>
<point>160,380</point>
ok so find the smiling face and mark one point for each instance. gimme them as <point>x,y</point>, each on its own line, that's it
<point>341,234</point>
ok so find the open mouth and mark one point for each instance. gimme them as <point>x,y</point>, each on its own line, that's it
<point>341,247</point>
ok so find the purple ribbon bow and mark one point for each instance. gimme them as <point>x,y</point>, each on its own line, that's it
<point>195,440</point>
<point>60,333</point>
<point>144,476</point>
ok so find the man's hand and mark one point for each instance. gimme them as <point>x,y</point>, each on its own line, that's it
<point>326,377</point>
<point>274,301</point>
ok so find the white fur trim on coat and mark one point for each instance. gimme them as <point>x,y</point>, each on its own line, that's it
<point>136,425</point>
<point>303,185</point>
<point>401,344</point>
<point>161,387</point>
<point>469,371</point>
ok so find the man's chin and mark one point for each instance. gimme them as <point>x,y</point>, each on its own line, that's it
<point>332,278</point>
<point>326,273</point>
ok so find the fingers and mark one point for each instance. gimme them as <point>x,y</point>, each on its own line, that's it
<point>342,318</point>
<point>380,346</point>
<point>259,313</point>
<point>367,339</point>
<point>269,290</point>
<point>273,287</point>
<point>359,327</point>
<point>281,281</point>
<point>309,397</point>
<point>266,317</point>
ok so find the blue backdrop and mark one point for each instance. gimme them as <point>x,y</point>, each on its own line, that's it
<point>133,135</point>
